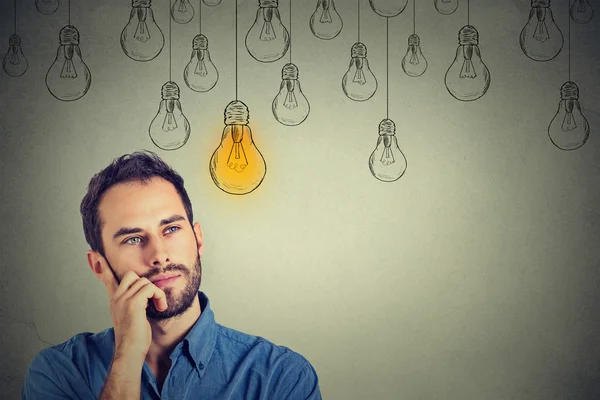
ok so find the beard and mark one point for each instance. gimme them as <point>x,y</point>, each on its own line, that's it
<point>177,304</point>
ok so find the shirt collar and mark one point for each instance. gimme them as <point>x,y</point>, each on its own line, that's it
<point>200,340</point>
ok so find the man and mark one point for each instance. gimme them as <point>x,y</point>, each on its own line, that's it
<point>165,343</point>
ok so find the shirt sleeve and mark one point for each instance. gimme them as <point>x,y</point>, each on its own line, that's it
<point>300,382</point>
<point>53,376</point>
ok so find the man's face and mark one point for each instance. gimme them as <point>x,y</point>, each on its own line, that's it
<point>146,231</point>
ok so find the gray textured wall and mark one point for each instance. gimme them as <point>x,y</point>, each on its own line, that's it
<point>473,276</point>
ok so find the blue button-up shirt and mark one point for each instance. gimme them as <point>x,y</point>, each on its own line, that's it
<point>211,362</point>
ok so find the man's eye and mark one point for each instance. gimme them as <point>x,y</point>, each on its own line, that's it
<point>172,229</point>
<point>131,240</point>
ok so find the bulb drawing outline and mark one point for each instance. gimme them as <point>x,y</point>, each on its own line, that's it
<point>182,11</point>
<point>540,38</point>
<point>200,74</point>
<point>414,63</point>
<point>211,3</point>
<point>267,39</point>
<point>359,83</point>
<point>467,78</point>
<point>388,8</point>
<point>237,166</point>
<point>170,129</point>
<point>581,11</point>
<point>141,38</point>
<point>46,7</point>
<point>15,64</point>
<point>326,23</point>
<point>68,78</point>
<point>569,129</point>
<point>445,7</point>
<point>290,106</point>
<point>387,162</point>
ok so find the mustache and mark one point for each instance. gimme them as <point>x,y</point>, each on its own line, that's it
<point>171,267</point>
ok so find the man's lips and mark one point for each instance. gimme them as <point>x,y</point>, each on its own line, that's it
<point>163,277</point>
<point>162,281</point>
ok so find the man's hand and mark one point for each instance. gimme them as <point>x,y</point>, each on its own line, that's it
<point>128,303</point>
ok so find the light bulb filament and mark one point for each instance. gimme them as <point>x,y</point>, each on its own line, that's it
<point>14,58</point>
<point>201,66</point>
<point>240,161</point>
<point>359,75</point>
<point>290,99</point>
<point>467,70</point>
<point>541,30</point>
<point>267,33</point>
<point>387,157</point>
<point>169,123</point>
<point>141,32</point>
<point>325,15</point>
<point>569,123</point>
<point>182,6</point>
<point>581,6</point>
<point>68,69</point>
<point>414,59</point>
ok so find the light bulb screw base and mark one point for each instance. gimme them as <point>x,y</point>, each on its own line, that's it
<point>14,40</point>
<point>414,40</point>
<point>170,91</point>
<point>358,50</point>
<point>468,35</point>
<point>540,3</point>
<point>236,113</point>
<point>140,3</point>
<point>289,71</point>
<point>387,127</point>
<point>69,35</point>
<point>200,42</point>
<point>569,91</point>
<point>268,3</point>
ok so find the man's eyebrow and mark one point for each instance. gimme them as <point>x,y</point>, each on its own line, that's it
<point>127,231</point>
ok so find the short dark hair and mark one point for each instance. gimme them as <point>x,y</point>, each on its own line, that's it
<point>139,166</point>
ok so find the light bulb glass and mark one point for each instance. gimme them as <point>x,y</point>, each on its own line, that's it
<point>388,8</point>
<point>325,22</point>
<point>182,11</point>
<point>446,7</point>
<point>581,11</point>
<point>569,130</point>
<point>46,6</point>
<point>142,39</point>
<point>414,62</point>
<point>267,40</point>
<point>387,162</point>
<point>540,39</point>
<point>467,78</point>
<point>359,83</point>
<point>68,78</point>
<point>170,129</point>
<point>211,3</point>
<point>200,74</point>
<point>290,106</point>
<point>14,63</point>
<point>237,166</point>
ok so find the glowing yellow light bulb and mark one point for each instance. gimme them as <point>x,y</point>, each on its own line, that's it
<point>236,166</point>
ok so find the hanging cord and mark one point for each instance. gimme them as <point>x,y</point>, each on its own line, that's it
<point>569,53</point>
<point>69,12</point>
<point>358,8</point>
<point>468,13</point>
<point>200,16</point>
<point>236,50</point>
<point>170,18</point>
<point>15,15</point>
<point>414,17</point>
<point>387,68</point>
<point>290,31</point>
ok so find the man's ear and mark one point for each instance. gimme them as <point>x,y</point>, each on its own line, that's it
<point>198,233</point>
<point>98,264</point>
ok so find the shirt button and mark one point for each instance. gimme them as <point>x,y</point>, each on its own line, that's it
<point>201,366</point>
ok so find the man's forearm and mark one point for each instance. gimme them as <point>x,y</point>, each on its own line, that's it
<point>123,381</point>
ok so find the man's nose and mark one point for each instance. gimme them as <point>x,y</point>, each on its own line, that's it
<point>158,251</point>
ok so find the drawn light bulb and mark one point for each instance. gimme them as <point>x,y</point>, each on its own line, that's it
<point>46,6</point>
<point>211,3</point>
<point>325,22</point>
<point>359,83</point>
<point>569,130</point>
<point>14,63</point>
<point>387,162</point>
<point>182,11</point>
<point>200,74</point>
<point>467,78</point>
<point>414,63</point>
<point>267,40</point>
<point>388,8</point>
<point>540,39</point>
<point>290,106</point>
<point>142,39</point>
<point>446,7</point>
<point>68,77</point>
<point>582,11</point>
<point>236,166</point>
<point>170,129</point>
